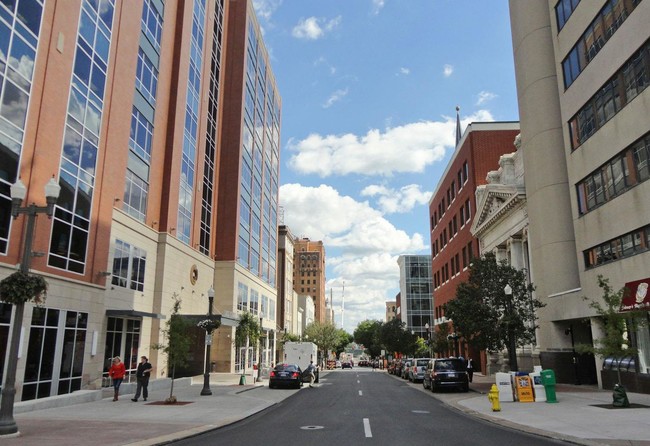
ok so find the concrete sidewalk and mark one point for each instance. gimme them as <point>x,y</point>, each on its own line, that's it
<point>581,415</point>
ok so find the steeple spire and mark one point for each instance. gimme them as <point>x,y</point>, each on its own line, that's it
<point>458,134</point>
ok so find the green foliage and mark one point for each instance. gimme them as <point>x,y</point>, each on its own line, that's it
<point>439,342</point>
<point>614,341</point>
<point>420,348</point>
<point>367,334</point>
<point>395,338</point>
<point>208,324</point>
<point>247,329</point>
<point>345,339</point>
<point>484,316</point>
<point>20,287</point>
<point>325,335</point>
<point>177,341</point>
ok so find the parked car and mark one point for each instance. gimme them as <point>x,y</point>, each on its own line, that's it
<point>346,365</point>
<point>286,375</point>
<point>400,366</point>
<point>417,369</point>
<point>444,373</point>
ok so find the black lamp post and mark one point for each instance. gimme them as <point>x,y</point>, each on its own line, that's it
<point>512,342</point>
<point>208,345</point>
<point>429,338</point>
<point>18,193</point>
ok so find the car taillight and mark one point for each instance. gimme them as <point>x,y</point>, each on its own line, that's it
<point>272,373</point>
<point>296,374</point>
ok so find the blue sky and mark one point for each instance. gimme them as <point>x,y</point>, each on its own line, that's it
<point>369,90</point>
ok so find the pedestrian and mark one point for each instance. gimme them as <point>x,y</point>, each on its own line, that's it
<point>470,369</point>
<point>117,372</point>
<point>310,371</point>
<point>142,376</point>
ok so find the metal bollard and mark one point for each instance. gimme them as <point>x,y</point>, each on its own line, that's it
<point>493,396</point>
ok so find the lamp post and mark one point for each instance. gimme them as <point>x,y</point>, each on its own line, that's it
<point>18,193</point>
<point>429,339</point>
<point>512,342</point>
<point>259,362</point>
<point>208,345</point>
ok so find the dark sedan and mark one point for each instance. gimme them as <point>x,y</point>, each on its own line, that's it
<point>285,375</point>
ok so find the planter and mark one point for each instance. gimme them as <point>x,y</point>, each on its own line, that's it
<point>20,288</point>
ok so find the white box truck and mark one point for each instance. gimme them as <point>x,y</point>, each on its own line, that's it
<point>302,353</point>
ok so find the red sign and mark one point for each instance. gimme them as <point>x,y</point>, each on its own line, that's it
<point>637,296</point>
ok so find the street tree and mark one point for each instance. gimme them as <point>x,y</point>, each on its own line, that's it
<point>176,345</point>
<point>345,339</point>
<point>394,337</point>
<point>324,334</point>
<point>248,332</point>
<point>495,308</point>
<point>439,342</point>
<point>367,334</point>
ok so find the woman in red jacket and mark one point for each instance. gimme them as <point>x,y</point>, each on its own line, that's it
<point>117,372</point>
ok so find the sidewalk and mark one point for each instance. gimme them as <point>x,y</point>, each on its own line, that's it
<point>575,418</point>
<point>583,414</point>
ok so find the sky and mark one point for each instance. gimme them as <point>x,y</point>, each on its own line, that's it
<point>369,93</point>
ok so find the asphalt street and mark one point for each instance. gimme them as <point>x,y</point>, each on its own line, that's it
<point>352,406</point>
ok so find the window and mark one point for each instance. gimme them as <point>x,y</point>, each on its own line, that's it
<point>242,297</point>
<point>563,10</point>
<point>465,172</point>
<point>620,247</point>
<point>129,264</point>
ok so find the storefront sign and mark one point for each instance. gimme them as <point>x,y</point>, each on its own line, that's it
<point>637,296</point>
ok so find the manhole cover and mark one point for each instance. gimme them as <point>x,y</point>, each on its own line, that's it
<point>312,428</point>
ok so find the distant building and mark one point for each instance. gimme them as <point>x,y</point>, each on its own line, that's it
<point>309,273</point>
<point>416,289</point>
<point>391,310</point>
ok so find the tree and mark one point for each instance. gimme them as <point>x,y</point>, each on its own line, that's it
<point>367,334</point>
<point>248,331</point>
<point>395,338</point>
<point>439,343</point>
<point>177,343</point>
<point>324,335</point>
<point>345,339</point>
<point>488,317</point>
<point>614,343</point>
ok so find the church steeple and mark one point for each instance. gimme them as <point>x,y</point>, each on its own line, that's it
<point>458,134</point>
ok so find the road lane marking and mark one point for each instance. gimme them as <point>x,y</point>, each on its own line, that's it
<point>360,393</point>
<point>366,427</point>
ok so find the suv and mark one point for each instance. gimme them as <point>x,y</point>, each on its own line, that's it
<point>418,367</point>
<point>445,373</point>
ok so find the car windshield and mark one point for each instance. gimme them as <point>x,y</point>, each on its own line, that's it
<point>422,362</point>
<point>449,365</point>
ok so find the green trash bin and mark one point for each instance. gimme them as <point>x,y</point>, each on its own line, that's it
<point>548,381</point>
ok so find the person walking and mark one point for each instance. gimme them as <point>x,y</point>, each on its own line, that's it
<point>470,369</point>
<point>310,371</point>
<point>117,372</point>
<point>142,376</point>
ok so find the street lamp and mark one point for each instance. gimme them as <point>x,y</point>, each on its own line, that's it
<point>259,362</point>
<point>429,339</point>
<point>208,345</point>
<point>512,343</point>
<point>18,192</point>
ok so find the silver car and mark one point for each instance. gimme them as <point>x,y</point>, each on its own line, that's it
<point>417,369</point>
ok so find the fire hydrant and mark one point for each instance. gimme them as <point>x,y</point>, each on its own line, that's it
<point>493,396</point>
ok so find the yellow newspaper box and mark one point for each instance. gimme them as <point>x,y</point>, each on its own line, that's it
<point>524,387</point>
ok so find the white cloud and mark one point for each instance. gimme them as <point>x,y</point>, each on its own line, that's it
<point>314,28</point>
<point>376,152</point>
<point>377,5</point>
<point>265,8</point>
<point>367,246</point>
<point>447,70</point>
<point>335,97</point>
<point>404,71</point>
<point>321,61</point>
<point>485,96</point>
<point>397,201</point>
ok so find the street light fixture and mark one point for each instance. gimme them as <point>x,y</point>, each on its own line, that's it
<point>512,343</point>
<point>208,345</point>
<point>18,192</point>
<point>429,339</point>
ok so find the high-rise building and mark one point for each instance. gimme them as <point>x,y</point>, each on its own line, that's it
<point>309,273</point>
<point>246,230</point>
<point>416,291</point>
<point>391,310</point>
<point>582,71</point>
<point>453,206</point>
<point>123,104</point>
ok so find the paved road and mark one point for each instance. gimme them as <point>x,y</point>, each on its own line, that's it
<point>352,406</point>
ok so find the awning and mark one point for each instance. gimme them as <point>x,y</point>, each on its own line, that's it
<point>637,297</point>
<point>133,313</point>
